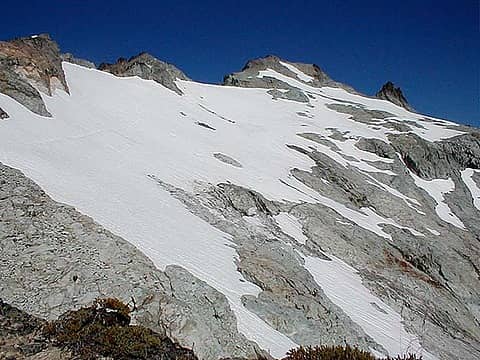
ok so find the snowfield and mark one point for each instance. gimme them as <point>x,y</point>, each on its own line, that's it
<point>110,134</point>
<point>342,284</point>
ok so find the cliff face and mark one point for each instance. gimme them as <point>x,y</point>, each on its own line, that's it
<point>29,65</point>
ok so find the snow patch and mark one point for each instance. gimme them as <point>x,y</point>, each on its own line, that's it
<point>343,286</point>
<point>290,225</point>
<point>434,232</point>
<point>343,222</point>
<point>300,74</point>
<point>437,188</point>
<point>467,177</point>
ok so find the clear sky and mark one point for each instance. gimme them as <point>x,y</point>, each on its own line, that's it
<point>428,48</point>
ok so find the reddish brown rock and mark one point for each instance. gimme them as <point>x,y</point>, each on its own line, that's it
<point>29,66</point>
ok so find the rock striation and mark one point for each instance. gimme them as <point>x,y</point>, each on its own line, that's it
<point>393,94</point>
<point>147,67</point>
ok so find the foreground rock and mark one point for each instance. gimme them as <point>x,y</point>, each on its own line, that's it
<point>147,67</point>
<point>100,330</point>
<point>393,94</point>
<point>21,337</point>
<point>55,259</point>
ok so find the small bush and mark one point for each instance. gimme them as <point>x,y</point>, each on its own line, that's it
<point>104,329</point>
<point>337,353</point>
<point>405,357</point>
<point>328,353</point>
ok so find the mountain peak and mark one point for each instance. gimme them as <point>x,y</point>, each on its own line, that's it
<point>393,94</point>
<point>147,67</point>
<point>255,73</point>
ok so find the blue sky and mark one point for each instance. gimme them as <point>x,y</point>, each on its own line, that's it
<point>429,48</point>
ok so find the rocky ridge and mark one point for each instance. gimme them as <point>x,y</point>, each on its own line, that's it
<point>68,57</point>
<point>29,66</point>
<point>147,67</point>
<point>247,77</point>
<point>255,74</point>
<point>32,65</point>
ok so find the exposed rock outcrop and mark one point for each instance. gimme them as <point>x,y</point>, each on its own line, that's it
<point>431,282</point>
<point>147,67</point>
<point>393,94</point>
<point>290,94</point>
<point>74,60</point>
<point>29,65</point>
<point>255,75</point>
<point>248,76</point>
<point>21,337</point>
<point>101,330</point>
<point>3,114</point>
<point>441,159</point>
<point>291,301</point>
<point>55,259</point>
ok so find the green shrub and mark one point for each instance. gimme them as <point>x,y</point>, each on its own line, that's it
<point>405,357</point>
<point>337,353</point>
<point>104,329</point>
<point>328,353</point>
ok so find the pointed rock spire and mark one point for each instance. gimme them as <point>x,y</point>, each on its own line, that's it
<point>393,94</point>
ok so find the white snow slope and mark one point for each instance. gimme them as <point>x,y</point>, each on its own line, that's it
<point>110,133</point>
